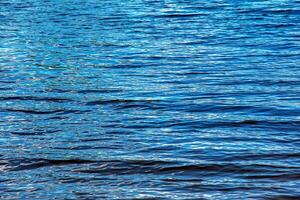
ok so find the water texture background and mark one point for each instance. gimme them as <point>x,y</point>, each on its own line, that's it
<point>150,99</point>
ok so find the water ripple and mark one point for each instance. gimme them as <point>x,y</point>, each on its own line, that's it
<point>149,99</point>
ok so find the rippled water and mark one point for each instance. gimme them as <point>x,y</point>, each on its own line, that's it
<point>150,99</point>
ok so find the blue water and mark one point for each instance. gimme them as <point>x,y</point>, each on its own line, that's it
<point>150,99</point>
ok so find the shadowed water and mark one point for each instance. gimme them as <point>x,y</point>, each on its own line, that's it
<point>150,99</point>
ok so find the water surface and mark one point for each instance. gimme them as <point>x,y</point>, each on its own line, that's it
<point>150,99</point>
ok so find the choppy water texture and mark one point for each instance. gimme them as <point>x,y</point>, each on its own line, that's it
<point>150,99</point>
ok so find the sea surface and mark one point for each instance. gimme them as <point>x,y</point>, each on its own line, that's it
<point>150,99</point>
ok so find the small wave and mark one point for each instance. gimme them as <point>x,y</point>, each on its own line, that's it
<point>118,101</point>
<point>29,164</point>
<point>264,156</point>
<point>41,112</point>
<point>98,91</point>
<point>284,197</point>
<point>282,177</point>
<point>28,133</point>
<point>31,98</point>
<point>182,15</point>
<point>282,11</point>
